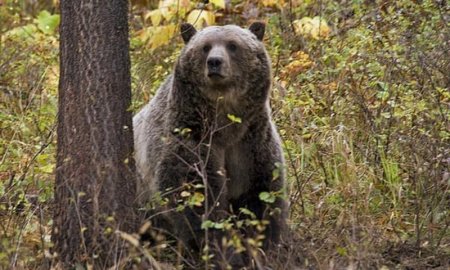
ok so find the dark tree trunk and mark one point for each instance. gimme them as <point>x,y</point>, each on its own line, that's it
<point>95,180</point>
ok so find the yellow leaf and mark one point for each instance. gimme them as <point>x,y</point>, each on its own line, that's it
<point>302,26</point>
<point>132,239</point>
<point>170,8</point>
<point>315,28</point>
<point>160,35</point>
<point>185,3</point>
<point>218,3</point>
<point>321,28</point>
<point>165,12</point>
<point>164,8</point>
<point>167,3</point>
<point>197,199</point>
<point>47,168</point>
<point>299,62</point>
<point>155,16</point>
<point>142,35</point>
<point>234,118</point>
<point>272,3</point>
<point>200,18</point>
<point>185,194</point>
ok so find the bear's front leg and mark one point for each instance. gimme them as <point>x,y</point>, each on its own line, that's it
<point>192,180</point>
<point>269,177</point>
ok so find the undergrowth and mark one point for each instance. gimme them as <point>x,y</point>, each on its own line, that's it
<point>363,113</point>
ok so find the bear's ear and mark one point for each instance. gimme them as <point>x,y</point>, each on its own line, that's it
<point>258,28</point>
<point>187,32</point>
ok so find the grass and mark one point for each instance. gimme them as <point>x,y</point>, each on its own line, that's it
<point>363,114</point>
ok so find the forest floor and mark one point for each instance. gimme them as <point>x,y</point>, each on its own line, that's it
<point>361,97</point>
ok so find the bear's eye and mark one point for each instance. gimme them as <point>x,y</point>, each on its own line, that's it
<point>232,47</point>
<point>206,48</point>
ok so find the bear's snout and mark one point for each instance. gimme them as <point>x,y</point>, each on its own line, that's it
<point>217,64</point>
<point>214,64</point>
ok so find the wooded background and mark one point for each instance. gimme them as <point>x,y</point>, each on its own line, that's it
<point>361,97</point>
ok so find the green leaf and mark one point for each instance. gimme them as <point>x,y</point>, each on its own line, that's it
<point>47,168</point>
<point>234,118</point>
<point>24,32</point>
<point>248,212</point>
<point>46,22</point>
<point>197,199</point>
<point>277,171</point>
<point>207,224</point>
<point>341,251</point>
<point>267,197</point>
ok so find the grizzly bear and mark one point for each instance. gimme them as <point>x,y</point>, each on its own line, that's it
<point>209,131</point>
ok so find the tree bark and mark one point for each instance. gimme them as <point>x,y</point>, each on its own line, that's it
<point>95,176</point>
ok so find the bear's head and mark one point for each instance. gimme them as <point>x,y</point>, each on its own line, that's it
<point>223,61</point>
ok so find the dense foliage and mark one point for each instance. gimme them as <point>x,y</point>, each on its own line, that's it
<point>361,97</point>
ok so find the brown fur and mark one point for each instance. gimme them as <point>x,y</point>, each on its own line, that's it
<point>221,71</point>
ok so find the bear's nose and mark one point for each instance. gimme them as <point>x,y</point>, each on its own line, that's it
<point>214,62</point>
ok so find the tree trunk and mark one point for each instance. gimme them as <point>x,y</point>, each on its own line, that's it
<point>95,175</point>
